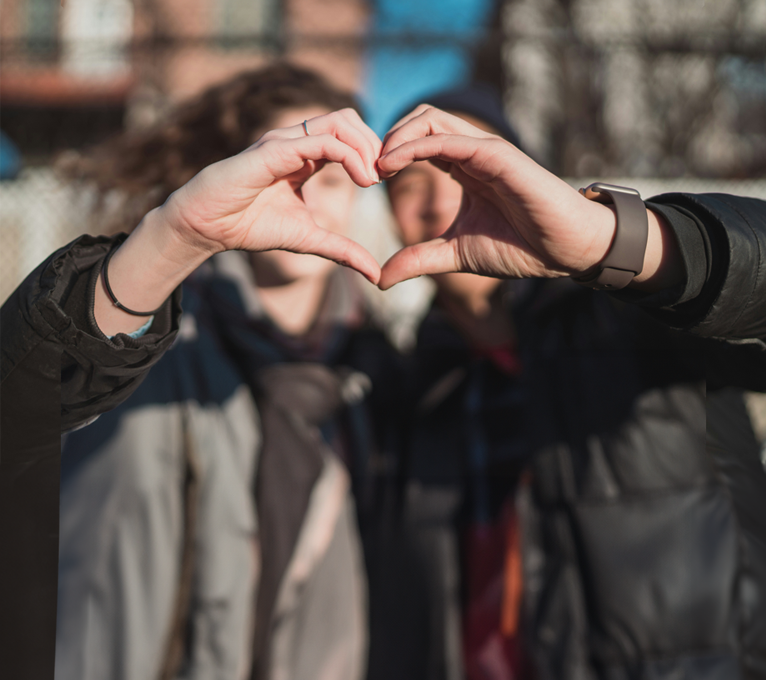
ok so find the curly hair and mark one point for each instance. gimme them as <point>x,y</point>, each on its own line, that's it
<point>144,168</point>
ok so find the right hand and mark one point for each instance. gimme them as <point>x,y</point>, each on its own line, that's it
<point>252,201</point>
<point>516,219</point>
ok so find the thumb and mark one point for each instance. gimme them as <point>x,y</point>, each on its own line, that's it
<point>432,257</point>
<point>342,250</point>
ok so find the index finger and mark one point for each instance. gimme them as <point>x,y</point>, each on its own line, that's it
<point>426,120</point>
<point>346,125</point>
<point>481,158</point>
<point>419,109</point>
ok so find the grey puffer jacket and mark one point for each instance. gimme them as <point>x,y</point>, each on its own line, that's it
<point>159,533</point>
<point>645,522</point>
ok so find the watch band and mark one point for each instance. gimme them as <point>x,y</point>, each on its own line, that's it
<point>625,259</point>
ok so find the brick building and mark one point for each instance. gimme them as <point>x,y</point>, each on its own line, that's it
<point>74,72</point>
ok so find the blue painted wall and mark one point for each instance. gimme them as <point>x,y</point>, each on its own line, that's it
<point>400,73</point>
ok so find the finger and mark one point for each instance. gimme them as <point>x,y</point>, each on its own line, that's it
<point>430,121</point>
<point>356,120</point>
<point>353,114</point>
<point>281,158</point>
<point>340,249</point>
<point>418,110</point>
<point>432,257</point>
<point>349,128</point>
<point>345,125</point>
<point>481,158</point>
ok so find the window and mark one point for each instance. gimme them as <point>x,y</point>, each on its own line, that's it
<point>95,35</point>
<point>42,17</point>
<point>243,23</point>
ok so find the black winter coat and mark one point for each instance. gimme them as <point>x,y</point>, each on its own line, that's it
<point>58,371</point>
<point>645,524</point>
<point>587,567</point>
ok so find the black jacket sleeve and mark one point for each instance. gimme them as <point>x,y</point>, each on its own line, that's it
<point>51,313</point>
<point>722,239</point>
<point>57,371</point>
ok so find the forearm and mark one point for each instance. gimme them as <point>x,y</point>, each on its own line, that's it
<point>144,272</point>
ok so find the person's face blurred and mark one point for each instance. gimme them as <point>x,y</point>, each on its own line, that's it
<point>329,197</point>
<point>425,202</point>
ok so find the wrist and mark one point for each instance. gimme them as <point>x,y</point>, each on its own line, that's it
<point>663,265</point>
<point>602,221</point>
<point>176,234</point>
<point>143,273</point>
<point>626,254</point>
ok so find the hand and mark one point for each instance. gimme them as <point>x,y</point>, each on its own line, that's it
<point>252,201</point>
<point>516,219</point>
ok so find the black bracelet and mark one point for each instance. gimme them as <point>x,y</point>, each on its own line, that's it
<point>113,297</point>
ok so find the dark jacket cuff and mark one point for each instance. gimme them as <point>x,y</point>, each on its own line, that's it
<point>722,240</point>
<point>54,305</point>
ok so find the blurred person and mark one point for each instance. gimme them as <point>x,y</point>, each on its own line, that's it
<point>704,580</point>
<point>444,582</point>
<point>644,529</point>
<point>207,524</point>
<point>74,346</point>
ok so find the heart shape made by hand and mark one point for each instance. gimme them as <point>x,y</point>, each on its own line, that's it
<point>516,219</point>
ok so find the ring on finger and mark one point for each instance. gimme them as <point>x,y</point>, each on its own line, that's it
<point>305,128</point>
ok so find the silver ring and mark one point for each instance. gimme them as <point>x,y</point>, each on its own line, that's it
<point>305,128</point>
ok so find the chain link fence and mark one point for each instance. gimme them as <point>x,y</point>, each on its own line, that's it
<point>38,213</point>
<point>667,96</point>
<point>639,88</point>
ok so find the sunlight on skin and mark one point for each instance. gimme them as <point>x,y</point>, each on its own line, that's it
<point>516,219</point>
<point>249,201</point>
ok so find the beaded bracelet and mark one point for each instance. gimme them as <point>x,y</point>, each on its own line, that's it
<point>113,297</point>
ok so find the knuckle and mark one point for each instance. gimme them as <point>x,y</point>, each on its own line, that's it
<point>331,145</point>
<point>274,145</point>
<point>265,145</point>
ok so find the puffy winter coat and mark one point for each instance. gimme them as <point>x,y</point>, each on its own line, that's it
<point>645,524</point>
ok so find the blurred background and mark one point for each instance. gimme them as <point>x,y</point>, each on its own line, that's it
<point>661,95</point>
<point>669,94</point>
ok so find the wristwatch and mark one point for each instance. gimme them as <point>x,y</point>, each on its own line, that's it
<point>625,259</point>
